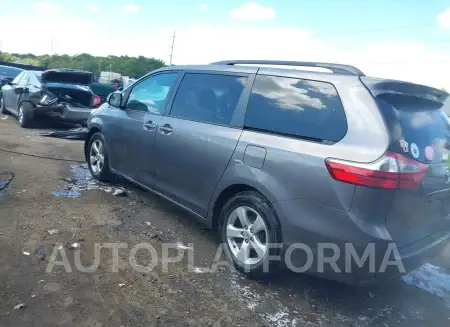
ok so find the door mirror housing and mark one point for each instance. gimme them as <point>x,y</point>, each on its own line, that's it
<point>115,99</point>
<point>20,90</point>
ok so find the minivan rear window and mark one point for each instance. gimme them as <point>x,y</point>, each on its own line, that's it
<point>419,128</point>
<point>294,107</point>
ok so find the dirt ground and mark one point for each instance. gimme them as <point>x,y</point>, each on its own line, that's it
<point>48,194</point>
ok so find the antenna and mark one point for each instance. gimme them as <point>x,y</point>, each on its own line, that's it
<point>171,48</point>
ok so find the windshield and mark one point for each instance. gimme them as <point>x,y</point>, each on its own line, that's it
<point>419,128</point>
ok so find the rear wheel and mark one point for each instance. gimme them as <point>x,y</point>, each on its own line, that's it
<point>25,114</point>
<point>251,234</point>
<point>98,158</point>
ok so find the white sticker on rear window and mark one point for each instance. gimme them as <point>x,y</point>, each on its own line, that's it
<point>404,145</point>
<point>415,150</point>
<point>445,156</point>
<point>429,153</point>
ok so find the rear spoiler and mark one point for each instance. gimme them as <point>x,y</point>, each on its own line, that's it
<point>378,86</point>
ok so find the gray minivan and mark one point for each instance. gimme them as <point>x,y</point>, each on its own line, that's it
<point>291,168</point>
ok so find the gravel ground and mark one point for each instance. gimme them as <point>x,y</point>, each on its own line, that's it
<point>58,196</point>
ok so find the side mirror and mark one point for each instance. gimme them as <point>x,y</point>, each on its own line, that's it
<point>115,99</point>
<point>20,90</point>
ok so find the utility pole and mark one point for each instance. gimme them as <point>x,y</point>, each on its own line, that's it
<point>52,45</point>
<point>171,48</point>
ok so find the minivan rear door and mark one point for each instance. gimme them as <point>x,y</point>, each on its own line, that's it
<point>420,131</point>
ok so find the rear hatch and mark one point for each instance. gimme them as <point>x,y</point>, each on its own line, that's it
<point>420,131</point>
<point>67,76</point>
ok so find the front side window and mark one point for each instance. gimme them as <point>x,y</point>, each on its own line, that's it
<point>150,95</point>
<point>24,80</point>
<point>296,107</point>
<point>18,78</point>
<point>34,79</point>
<point>208,98</point>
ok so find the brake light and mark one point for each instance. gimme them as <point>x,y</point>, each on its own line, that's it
<point>97,101</point>
<point>391,171</point>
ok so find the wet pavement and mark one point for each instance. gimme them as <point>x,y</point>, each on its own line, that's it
<point>62,197</point>
<point>81,180</point>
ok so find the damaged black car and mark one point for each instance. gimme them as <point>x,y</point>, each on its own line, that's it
<point>63,94</point>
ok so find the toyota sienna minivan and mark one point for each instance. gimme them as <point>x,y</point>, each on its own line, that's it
<point>291,168</point>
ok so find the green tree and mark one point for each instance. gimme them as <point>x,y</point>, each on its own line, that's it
<point>134,67</point>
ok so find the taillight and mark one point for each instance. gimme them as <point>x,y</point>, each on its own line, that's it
<point>391,171</point>
<point>97,101</point>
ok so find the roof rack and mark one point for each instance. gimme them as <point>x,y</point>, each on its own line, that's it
<point>335,68</point>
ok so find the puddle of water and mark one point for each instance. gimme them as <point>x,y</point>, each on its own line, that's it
<point>82,180</point>
<point>431,279</point>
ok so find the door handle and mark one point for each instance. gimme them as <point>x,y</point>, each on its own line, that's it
<point>166,129</point>
<point>149,126</point>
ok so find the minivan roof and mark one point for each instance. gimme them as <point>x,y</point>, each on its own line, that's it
<point>335,68</point>
<point>260,66</point>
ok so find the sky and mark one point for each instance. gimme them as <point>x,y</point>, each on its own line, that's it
<point>401,39</point>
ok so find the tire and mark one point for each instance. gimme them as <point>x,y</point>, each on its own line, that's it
<point>25,115</point>
<point>2,106</point>
<point>255,209</point>
<point>99,167</point>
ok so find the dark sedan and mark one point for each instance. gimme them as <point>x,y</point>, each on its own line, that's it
<point>59,93</point>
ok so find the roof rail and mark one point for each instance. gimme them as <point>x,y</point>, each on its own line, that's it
<point>335,68</point>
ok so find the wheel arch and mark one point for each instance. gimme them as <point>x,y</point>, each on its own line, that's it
<point>27,101</point>
<point>224,195</point>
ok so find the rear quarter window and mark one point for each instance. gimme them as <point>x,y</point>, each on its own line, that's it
<point>297,108</point>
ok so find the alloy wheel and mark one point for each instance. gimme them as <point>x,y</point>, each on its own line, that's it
<point>21,115</point>
<point>246,234</point>
<point>97,157</point>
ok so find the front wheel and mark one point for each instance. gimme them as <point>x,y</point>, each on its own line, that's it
<point>251,234</point>
<point>98,158</point>
<point>25,114</point>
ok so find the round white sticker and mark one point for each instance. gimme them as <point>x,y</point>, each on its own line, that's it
<point>414,150</point>
<point>445,156</point>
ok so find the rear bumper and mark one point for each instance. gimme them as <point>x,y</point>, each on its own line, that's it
<point>65,112</point>
<point>334,235</point>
